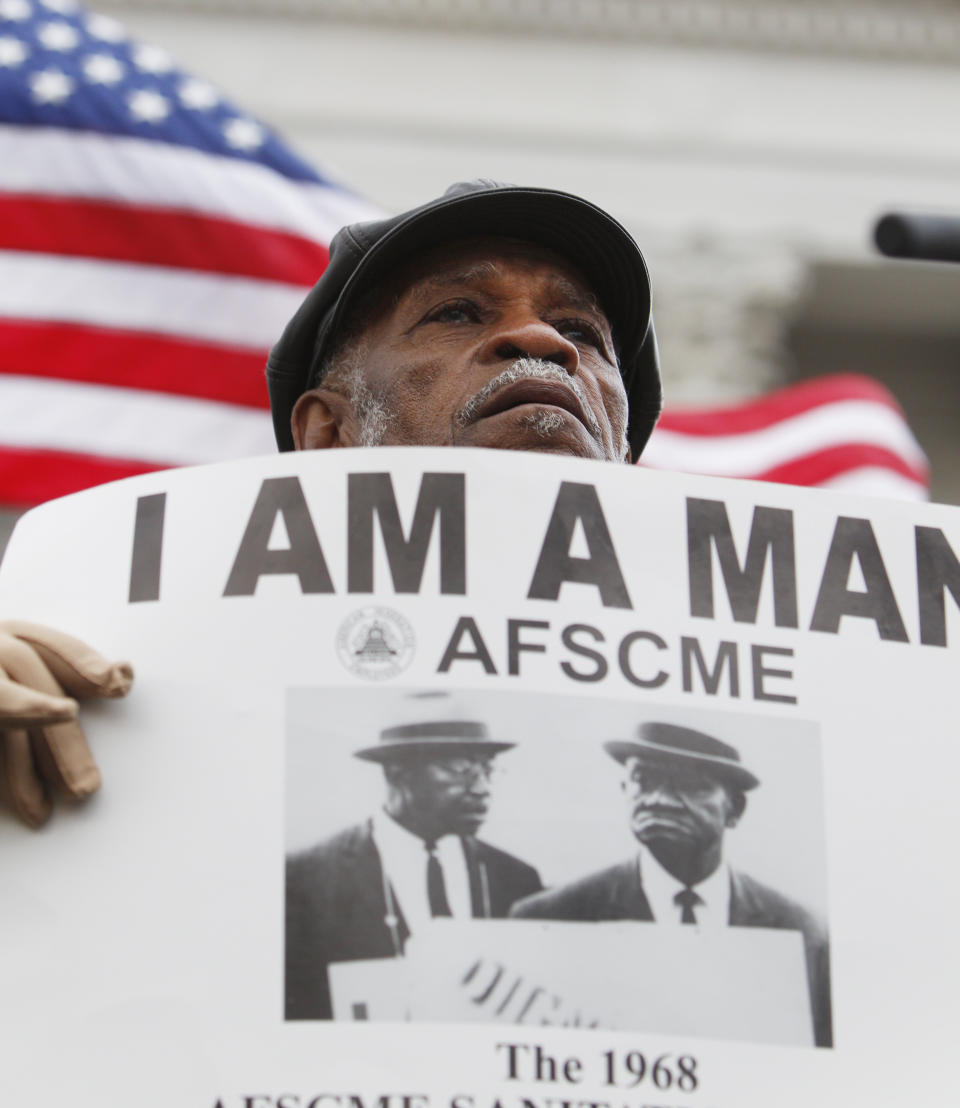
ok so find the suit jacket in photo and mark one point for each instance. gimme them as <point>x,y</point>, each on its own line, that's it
<point>617,894</point>
<point>336,909</point>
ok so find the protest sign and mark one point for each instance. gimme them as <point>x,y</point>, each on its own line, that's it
<point>688,745</point>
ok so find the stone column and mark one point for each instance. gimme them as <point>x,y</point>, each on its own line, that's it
<point>722,307</point>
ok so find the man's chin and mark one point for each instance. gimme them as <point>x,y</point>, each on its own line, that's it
<point>545,430</point>
<point>468,826</point>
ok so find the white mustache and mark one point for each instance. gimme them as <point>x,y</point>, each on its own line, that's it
<point>528,369</point>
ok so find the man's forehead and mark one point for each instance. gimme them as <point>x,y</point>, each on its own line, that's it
<point>478,261</point>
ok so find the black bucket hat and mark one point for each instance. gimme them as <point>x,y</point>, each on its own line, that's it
<point>363,253</point>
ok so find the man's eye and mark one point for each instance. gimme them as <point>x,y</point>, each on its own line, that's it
<point>453,311</point>
<point>581,332</point>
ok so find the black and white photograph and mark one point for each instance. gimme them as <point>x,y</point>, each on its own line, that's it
<point>544,860</point>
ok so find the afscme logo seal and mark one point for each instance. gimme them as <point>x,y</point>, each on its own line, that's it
<point>375,643</point>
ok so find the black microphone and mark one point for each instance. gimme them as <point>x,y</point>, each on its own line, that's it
<point>932,238</point>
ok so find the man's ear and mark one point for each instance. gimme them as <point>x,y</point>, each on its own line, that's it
<point>738,805</point>
<point>322,419</point>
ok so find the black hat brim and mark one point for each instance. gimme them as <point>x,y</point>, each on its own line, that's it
<point>722,768</point>
<point>446,747</point>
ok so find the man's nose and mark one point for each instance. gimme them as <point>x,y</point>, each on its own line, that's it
<point>478,785</point>
<point>662,793</point>
<point>529,337</point>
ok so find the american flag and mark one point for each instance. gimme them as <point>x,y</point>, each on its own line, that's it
<point>154,239</point>
<point>843,432</point>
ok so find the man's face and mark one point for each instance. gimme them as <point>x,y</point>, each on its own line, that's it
<point>443,795</point>
<point>677,806</point>
<point>493,343</point>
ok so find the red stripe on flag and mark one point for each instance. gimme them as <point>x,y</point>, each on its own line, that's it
<point>28,477</point>
<point>134,360</point>
<point>765,411</point>
<point>157,236</point>
<point>822,465</point>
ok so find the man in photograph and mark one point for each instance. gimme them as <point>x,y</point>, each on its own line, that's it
<point>361,893</point>
<point>684,789</point>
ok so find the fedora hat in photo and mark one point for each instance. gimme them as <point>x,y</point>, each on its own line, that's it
<point>668,744</point>
<point>443,738</point>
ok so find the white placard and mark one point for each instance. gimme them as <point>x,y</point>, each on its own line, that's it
<point>745,983</point>
<point>285,613</point>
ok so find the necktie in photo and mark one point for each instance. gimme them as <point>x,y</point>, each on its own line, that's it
<point>688,900</point>
<point>436,889</point>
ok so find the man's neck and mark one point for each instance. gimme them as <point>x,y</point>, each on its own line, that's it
<point>408,821</point>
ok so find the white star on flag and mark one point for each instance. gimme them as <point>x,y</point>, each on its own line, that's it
<point>14,10</point>
<point>244,134</point>
<point>148,106</point>
<point>103,27</point>
<point>103,69</point>
<point>198,94</point>
<point>152,59</point>
<point>12,51</point>
<point>58,36</point>
<point>51,86</point>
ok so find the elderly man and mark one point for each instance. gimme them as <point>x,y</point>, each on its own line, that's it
<point>363,892</point>
<point>684,789</point>
<point>496,316</point>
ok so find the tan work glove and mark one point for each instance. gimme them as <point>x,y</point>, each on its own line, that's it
<point>42,746</point>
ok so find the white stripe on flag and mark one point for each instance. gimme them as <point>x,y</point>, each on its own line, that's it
<point>45,161</point>
<point>44,414</point>
<point>757,451</point>
<point>239,311</point>
<point>874,481</point>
